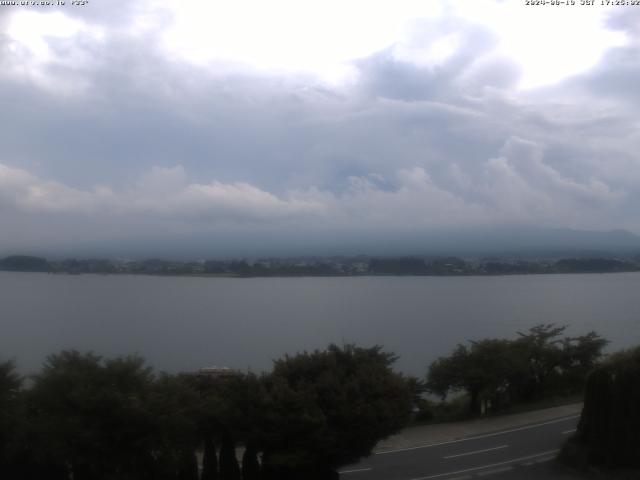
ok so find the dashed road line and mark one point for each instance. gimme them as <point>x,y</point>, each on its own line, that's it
<point>544,460</point>
<point>487,435</point>
<point>476,451</point>
<point>357,470</point>
<point>567,432</point>
<point>494,471</point>
<point>506,462</point>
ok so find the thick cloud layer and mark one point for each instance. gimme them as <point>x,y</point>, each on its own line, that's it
<point>109,135</point>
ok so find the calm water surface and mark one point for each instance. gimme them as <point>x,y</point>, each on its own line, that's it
<point>183,323</point>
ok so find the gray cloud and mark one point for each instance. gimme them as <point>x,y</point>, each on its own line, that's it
<point>125,141</point>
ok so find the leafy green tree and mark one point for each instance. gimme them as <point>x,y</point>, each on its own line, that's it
<point>232,408</point>
<point>91,418</point>
<point>92,415</point>
<point>446,374</point>
<point>581,355</point>
<point>541,349</point>
<point>112,419</point>
<point>10,384</point>
<point>501,372</point>
<point>174,405</point>
<point>482,371</point>
<point>554,364</point>
<point>330,408</point>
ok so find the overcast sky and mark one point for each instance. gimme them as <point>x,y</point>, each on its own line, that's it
<point>246,123</point>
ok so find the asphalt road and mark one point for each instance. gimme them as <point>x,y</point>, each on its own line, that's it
<point>512,454</point>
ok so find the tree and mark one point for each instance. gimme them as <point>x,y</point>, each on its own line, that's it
<point>540,348</point>
<point>24,263</point>
<point>232,407</point>
<point>608,433</point>
<point>229,468</point>
<point>330,408</point>
<point>500,372</point>
<point>113,419</point>
<point>175,407</point>
<point>10,384</point>
<point>446,374</point>
<point>90,418</point>
<point>482,371</point>
<point>398,266</point>
<point>554,364</point>
<point>188,465</point>
<point>91,414</point>
<point>581,355</point>
<point>209,460</point>
<point>250,465</point>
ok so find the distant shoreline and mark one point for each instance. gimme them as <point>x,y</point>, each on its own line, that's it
<point>337,275</point>
<point>359,266</point>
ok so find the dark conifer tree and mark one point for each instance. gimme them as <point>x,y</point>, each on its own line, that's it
<point>188,469</point>
<point>609,429</point>
<point>229,468</point>
<point>209,460</point>
<point>250,465</point>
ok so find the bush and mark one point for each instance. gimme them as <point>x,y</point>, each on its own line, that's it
<point>609,430</point>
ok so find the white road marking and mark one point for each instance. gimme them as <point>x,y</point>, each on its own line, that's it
<point>476,451</point>
<point>543,460</point>
<point>355,471</point>
<point>429,445</point>
<point>513,460</point>
<point>567,432</point>
<point>494,471</point>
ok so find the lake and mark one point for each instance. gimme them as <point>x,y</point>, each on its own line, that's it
<point>183,323</point>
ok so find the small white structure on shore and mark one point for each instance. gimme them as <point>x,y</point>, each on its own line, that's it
<point>218,372</point>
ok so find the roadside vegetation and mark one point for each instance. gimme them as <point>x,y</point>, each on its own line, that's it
<point>89,418</point>
<point>540,366</point>
<point>608,435</point>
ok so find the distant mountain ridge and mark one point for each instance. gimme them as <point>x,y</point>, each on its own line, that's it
<point>496,241</point>
<point>533,240</point>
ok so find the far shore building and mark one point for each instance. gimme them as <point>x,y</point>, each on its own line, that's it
<point>217,372</point>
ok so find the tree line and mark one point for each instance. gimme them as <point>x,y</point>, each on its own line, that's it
<point>90,418</point>
<point>314,266</point>
<point>494,374</point>
<point>497,373</point>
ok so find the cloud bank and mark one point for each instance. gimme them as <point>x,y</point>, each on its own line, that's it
<point>112,132</point>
